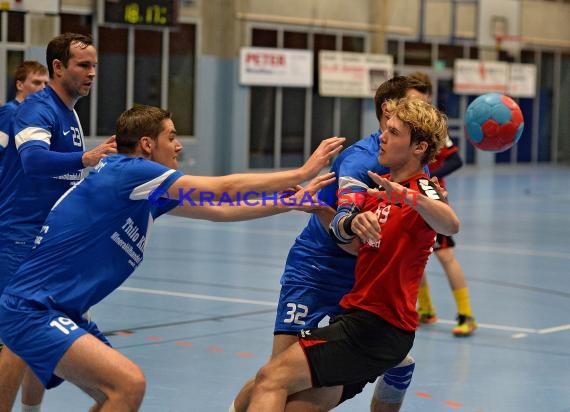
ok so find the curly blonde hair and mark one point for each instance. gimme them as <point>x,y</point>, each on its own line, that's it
<point>426,123</point>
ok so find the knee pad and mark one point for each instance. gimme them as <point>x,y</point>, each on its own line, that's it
<point>392,385</point>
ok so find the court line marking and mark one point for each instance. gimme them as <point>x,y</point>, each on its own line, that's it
<point>519,332</point>
<point>496,249</point>
<point>196,296</point>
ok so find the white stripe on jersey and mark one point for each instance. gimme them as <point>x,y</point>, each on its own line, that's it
<point>3,140</point>
<point>348,181</point>
<point>32,133</point>
<point>142,191</point>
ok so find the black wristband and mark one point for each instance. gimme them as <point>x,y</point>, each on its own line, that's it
<point>347,224</point>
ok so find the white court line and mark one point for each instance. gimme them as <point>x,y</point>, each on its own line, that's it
<point>496,249</point>
<point>554,329</point>
<point>196,296</point>
<point>520,331</point>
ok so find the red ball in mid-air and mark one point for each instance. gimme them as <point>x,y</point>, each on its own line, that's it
<point>493,122</point>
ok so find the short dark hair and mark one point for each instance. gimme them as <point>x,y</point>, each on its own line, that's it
<point>137,122</point>
<point>27,67</point>
<point>395,89</point>
<point>423,77</point>
<point>59,48</point>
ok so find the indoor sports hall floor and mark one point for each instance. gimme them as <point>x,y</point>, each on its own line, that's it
<point>198,314</point>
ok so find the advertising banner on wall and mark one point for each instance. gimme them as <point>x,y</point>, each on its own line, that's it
<point>348,74</point>
<point>36,6</point>
<point>260,66</point>
<point>522,80</point>
<point>478,77</point>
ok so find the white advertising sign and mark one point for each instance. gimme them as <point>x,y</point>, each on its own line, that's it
<point>275,67</point>
<point>37,6</point>
<point>478,77</point>
<point>522,80</point>
<point>348,74</point>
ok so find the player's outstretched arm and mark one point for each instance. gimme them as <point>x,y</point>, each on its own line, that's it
<point>233,185</point>
<point>304,199</point>
<point>439,215</point>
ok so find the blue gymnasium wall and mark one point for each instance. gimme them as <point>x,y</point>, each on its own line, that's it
<point>221,118</point>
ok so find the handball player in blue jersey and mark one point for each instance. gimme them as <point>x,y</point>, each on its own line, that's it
<point>29,77</point>
<point>318,273</point>
<point>44,157</point>
<point>93,240</point>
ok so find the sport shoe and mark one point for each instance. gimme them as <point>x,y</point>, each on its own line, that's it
<point>466,325</point>
<point>427,317</point>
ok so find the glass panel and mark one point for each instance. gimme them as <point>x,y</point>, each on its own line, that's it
<point>16,27</point>
<point>353,43</point>
<point>447,101</point>
<point>112,95</point>
<point>448,54</point>
<point>15,58</point>
<point>545,113</point>
<point>323,107</point>
<point>181,77</point>
<point>295,40</point>
<point>524,146</point>
<point>393,49</point>
<point>351,108</point>
<point>474,53</point>
<point>563,123</point>
<point>76,23</point>
<point>417,54</point>
<point>264,38</point>
<point>148,67</point>
<point>350,115</point>
<point>262,127</point>
<point>293,129</point>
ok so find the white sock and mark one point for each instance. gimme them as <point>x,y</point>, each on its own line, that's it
<point>32,408</point>
<point>232,407</point>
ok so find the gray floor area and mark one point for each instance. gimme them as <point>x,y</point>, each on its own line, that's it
<point>198,314</point>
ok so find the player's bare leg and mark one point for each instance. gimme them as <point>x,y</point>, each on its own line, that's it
<point>280,343</point>
<point>113,380</point>
<point>12,370</point>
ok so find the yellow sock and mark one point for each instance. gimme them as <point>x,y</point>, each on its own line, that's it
<point>462,300</point>
<point>424,300</point>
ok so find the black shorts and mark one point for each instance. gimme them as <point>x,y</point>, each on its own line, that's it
<point>443,242</point>
<point>353,350</point>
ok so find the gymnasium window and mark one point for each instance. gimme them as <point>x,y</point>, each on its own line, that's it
<point>286,123</point>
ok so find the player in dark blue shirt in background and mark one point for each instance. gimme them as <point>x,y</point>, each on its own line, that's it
<point>29,77</point>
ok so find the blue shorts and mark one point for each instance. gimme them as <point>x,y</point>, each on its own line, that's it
<point>11,257</point>
<point>302,307</point>
<point>41,335</point>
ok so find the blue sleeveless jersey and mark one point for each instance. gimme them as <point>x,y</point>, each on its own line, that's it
<point>43,120</point>
<point>94,237</point>
<point>6,115</point>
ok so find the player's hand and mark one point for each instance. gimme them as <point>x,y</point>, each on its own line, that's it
<point>442,192</point>
<point>394,192</point>
<point>366,226</point>
<point>306,198</point>
<point>93,156</point>
<point>322,156</point>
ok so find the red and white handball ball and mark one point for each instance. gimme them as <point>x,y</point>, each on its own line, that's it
<point>493,122</point>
